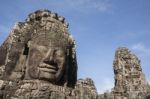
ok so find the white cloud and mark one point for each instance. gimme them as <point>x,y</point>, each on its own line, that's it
<point>149,82</point>
<point>141,49</point>
<point>106,85</point>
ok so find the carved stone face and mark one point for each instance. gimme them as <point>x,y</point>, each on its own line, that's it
<point>45,62</point>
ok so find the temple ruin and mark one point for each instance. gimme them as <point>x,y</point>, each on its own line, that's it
<point>38,61</point>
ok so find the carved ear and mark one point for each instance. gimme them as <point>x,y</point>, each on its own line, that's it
<point>72,69</point>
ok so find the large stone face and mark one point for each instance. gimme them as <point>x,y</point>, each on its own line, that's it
<point>38,61</point>
<point>40,48</point>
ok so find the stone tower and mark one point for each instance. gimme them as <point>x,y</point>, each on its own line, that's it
<point>130,81</point>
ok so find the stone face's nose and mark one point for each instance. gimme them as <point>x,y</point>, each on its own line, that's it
<point>49,58</point>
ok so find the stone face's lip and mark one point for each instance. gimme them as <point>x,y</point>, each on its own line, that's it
<point>47,68</point>
<point>43,65</point>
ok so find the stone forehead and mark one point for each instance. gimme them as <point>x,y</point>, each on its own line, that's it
<point>52,39</point>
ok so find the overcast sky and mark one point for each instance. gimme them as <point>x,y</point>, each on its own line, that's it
<point>99,28</point>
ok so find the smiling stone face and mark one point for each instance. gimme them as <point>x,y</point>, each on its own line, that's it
<point>45,62</point>
<point>41,48</point>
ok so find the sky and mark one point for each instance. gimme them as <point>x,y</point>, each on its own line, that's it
<point>99,28</point>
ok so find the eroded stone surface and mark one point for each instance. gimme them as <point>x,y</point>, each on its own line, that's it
<point>130,82</point>
<point>38,89</point>
<point>86,89</point>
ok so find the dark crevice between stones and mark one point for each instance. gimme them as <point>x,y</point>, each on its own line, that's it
<point>26,49</point>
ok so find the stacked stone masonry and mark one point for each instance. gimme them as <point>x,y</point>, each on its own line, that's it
<point>129,79</point>
<point>130,82</point>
